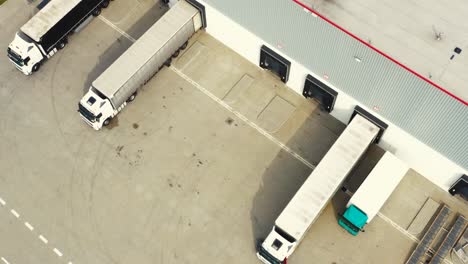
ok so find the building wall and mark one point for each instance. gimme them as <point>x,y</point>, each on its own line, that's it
<point>421,118</point>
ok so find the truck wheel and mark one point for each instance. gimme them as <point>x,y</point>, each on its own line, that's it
<point>97,11</point>
<point>132,97</point>
<point>168,62</point>
<point>184,45</point>
<point>176,54</point>
<point>105,3</point>
<point>36,67</point>
<point>62,44</point>
<point>106,122</point>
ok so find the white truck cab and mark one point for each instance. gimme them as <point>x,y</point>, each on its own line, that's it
<point>277,247</point>
<point>48,30</point>
<point>96,109</point>
<point>24,53</point>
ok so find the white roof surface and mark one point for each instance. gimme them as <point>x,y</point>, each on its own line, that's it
<point>47,17</point>
<point>144,49</point>
<point>406,31</point>
<point>329,174</point>
<point>379,185</point>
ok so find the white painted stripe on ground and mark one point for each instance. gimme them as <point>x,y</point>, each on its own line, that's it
<point>58,252</point>
<point>5,261</point>
<point>29,226</point>
<point>2,201</point>
<point>15,213</point>
<point>43,239</point>
<point>243,118</point>
<point>110,24</point>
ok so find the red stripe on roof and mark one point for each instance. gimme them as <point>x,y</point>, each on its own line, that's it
<point>383,54</point>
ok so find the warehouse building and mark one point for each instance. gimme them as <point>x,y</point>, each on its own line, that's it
<point>410,74</point>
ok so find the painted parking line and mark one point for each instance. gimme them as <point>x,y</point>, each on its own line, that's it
<point>58,252</point>
<point>116,28</point>
<point>243,118</point>
<point>43,239</point>
<point>16,214</point>
<point>29,226</point>
<point>2,202</point>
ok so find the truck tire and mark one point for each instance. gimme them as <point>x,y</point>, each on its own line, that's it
<point>107,122</point>
<point>105,3</point>
<point>184,45</point>
<point>62,44</point>
<point>168,62</point>
<point>132,97</point>
<point>176,54</point>
<point>36,67</point>
<point>97,11</point>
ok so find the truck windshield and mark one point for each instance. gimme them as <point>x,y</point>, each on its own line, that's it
<point>268,256</point>
<point>16,58</point>
<point>285,235</point>
<point>349,224</point>
<point>25,37</point>
<point>98,93</point>
<point>86,113</point>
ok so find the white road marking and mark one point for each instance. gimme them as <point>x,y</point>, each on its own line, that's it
<point>58,252</point>
<point>14,213</point>
<point>2,202</point>
<point>5,261</point>
<point>43,239</point>
<point>406,233</point>
<point>110,24</point>
<point>29,226</point>
<point>243,118</point>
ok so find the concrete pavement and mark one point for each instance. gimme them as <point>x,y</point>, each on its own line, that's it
<point>194,171</point>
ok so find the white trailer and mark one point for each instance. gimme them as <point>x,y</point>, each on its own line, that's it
<point>47,31</point>
<point>309,201</point>
<point>373,193</point>
<point>119,83</point>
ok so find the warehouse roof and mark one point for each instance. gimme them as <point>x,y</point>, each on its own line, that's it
<point>429,38</point>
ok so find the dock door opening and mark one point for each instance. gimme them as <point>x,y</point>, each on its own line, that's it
<point>371,118</point>
<point>324,95</point>
<point>274,62</point>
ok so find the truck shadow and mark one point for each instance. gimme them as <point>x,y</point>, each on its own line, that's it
<point>117,48</point>
<point>355,178</point>
<point>286,174</point>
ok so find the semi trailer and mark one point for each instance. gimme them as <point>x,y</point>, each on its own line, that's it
<point>373,193</point>
<point>48,30</point>
<point>120,82</point>
<point>304,208</point>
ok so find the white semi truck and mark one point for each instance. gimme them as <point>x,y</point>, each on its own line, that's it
<point>373,193</point>
<point>47,31</point>
<point>312,197</point>
<point>119,83</point>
